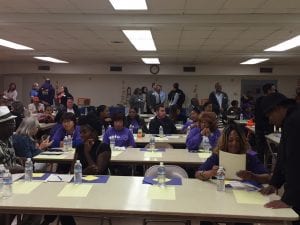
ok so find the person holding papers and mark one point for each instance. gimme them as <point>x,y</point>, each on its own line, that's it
<point>123,136</point>
<point>206,134</point>
<point>233,141</point>
<point>93,155</point>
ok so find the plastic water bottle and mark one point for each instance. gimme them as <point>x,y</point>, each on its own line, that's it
<point>161,132</point>
<point>77,172</point>
<point>28,169</point>
<point>221,179</point>
<point>161,175</point>
<point>188,130</point>
<point>112,142</point>
<point>2,171</point>
<point>205,143</point>
<point>70,142</point>
<point>241,116</point>
<point>65,143</point>
<point>131,128</point>
<point>85,111</point>
<point>103,130</point>
<point>7,184</point>
<point>152,142</point>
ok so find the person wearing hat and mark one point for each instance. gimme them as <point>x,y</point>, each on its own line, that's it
<point>285,113</point>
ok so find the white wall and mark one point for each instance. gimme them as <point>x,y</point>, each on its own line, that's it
<point>95,82</point>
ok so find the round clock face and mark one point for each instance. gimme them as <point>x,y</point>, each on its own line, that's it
<point>154,69</point>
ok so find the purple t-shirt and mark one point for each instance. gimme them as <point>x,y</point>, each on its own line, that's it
<point>124,137</point>
<point>60,134</point>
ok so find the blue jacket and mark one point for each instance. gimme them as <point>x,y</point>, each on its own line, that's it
<point>24,146</point>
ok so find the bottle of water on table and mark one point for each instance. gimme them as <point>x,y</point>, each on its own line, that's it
<point>241,116</point>
<point>7,184</point>
<point>2,171</point>
<point>131,128</point>
<point>112,142</point>
<point>188,130</point>
<point>28,169</point>
<point>152,142</point>
<point>161,132</point>
<point>77,172</point>
<point>221,179</point>
<point>161,175</point>
<point>65,143</point>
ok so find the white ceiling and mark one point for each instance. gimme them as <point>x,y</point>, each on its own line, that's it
<point>189,32</point>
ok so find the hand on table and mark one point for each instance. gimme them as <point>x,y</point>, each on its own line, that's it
<point>276,204</point>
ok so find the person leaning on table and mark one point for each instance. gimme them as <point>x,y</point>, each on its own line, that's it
<point>233,140</point>
<point>285,113</point>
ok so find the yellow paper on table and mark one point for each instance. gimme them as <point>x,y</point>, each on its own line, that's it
<point>23,187</point>
<point>90,178</point>
<point>250,197</point>
<point>75,190</point>
<point>152,155</point>
<point>38,174</point>
<point>161,193</point>
<point>204,155</point>
<point>116,153</point>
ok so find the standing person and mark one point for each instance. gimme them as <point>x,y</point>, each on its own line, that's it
<point>285,113</point>
<point>194,104</point>
<point>154,98</point>
<point>136,100</point>
<point>71,107</point>
<point>176,96</point>
<point>144,94</point>
<point>219,100</point>
<point>161,119</point>
<point>34,92</point>
<point>11,93</point>
<point>262,126</point>
<point>162,94</point>
<point>63,95</point>
<point>46,93</point>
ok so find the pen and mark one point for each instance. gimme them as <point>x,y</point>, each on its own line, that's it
<point>59,177</point>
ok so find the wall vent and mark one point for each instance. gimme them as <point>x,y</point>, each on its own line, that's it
<point>116,68</point>
<point>190,69</point>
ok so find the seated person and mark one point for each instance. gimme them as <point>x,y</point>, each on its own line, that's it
<point>47,116</point>
<point>233,140</point>
<point>23,140</point>
<point>192,122</point>
<point>194,105</point>
<point>36,106</point>
<point>123,137</point>
<point>247,111</point>
<point>68,127</point>
<point>161,119</point>
<point>93,155</point>
<point>103,113</point>
<point>136,121</point>
<point>58,125</point>
<point>207,107</point>
<point>234,110</point>
<point>176,115</point>
<point>206,135</point>
<point>71,107</point>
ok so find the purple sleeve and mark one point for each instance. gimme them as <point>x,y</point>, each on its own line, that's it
<point>194,139</point>
<point>76,137</point>
<point>254,165</point>
<point>58,137</point>
<point>131,139</point>
<point>213,160</point>
<point>185,126</point>
<point>213,139</point>
<point>106,137</point>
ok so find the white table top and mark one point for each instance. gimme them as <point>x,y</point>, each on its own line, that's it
<point>127,196</point>
<point>241,122</point>
<point>251,128</point>
<point>135,156</point>
<point>273,137</point>
<point>171,139</point>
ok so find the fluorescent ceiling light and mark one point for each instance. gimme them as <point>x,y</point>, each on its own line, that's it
<point>13,45</point>
<point>129,4</point>
<point>286,45</point>
<point>141,39</point>
<point>50,59</point>
<point>254,61</point>
<point>151,60</point>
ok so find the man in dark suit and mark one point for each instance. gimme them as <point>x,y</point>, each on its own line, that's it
<point>219,100</point>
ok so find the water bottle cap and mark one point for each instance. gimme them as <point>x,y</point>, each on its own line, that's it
<point>28,159</point>
<point>77,161</point>
<point>161,163</point>
<point>6,171</point>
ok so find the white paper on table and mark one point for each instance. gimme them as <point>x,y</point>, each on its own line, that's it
<point>59,178</point>
<point>117,148</point>
<point>232,163</point>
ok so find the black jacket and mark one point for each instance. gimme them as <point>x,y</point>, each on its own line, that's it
<point>181,97</point>
<point>262,125</point>
<point>287,167</point>
<point>215,104</point>
<point>166,123</point>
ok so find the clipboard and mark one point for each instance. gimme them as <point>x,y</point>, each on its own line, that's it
<point>232,163</point>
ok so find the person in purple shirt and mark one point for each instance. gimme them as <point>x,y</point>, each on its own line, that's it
<point>193,122</point>
<point>206,134</point>
<point>136,121</point>
<point>124,138</point>
<point>233,140</point>
<point>68,128</point>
